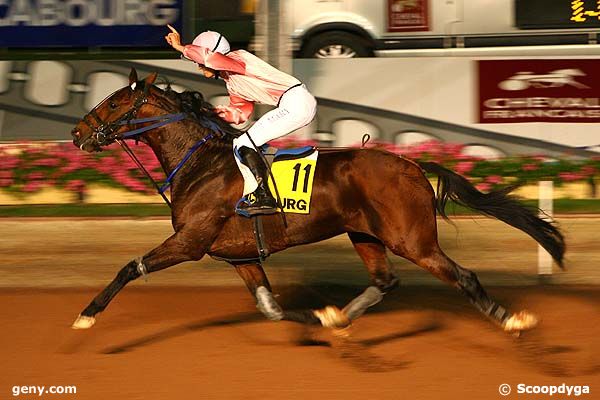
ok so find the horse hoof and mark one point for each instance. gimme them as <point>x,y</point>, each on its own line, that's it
<point>332,317</point>
<point>83,322</point>
<point>520,321</point>
<point>342,333</point>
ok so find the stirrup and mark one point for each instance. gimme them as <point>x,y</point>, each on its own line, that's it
<point>251,209</point>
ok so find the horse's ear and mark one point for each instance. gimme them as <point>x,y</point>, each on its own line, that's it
<point>150,79</point>
<point>133,78</point>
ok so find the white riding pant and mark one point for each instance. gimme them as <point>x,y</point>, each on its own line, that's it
<point>296,108</point>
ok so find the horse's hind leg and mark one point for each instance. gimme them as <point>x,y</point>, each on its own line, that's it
<point>372,251</point>
<point>258,284</point>
<point>466,281</point>
<point>425,252</point>
<point>171,252</point>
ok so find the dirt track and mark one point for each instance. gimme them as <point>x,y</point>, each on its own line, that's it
<point>174,338</point>
<point>172,343</point>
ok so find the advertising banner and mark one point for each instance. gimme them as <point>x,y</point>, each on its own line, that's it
<point>408,15</point>
<point>563,14</point>
<point>87,23</point>
<point>539,91</point>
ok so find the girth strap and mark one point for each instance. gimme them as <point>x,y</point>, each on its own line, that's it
<point>261,245</point>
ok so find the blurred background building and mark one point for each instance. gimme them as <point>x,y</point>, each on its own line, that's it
<point>403,71</point>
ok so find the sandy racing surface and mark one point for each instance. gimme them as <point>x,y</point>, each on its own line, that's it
<point>194,332</point>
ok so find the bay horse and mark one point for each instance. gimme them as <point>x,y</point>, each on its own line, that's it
<point>381,200</point>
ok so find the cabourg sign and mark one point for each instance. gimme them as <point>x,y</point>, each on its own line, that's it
<point>86,23</point>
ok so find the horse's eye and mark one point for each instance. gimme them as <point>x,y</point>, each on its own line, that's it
<point>113,106</point>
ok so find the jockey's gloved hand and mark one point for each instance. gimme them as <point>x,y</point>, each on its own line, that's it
<point>174,39</point>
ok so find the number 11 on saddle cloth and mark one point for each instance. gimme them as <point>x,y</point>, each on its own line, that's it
<point>294,177</point>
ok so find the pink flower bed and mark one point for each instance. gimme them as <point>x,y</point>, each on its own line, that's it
<point>28,167</point>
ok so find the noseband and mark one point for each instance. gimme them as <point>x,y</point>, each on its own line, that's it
<point>105,133</point>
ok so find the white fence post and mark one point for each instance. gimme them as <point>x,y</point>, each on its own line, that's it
<point>546,200</point>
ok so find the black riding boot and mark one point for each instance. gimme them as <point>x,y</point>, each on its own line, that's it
<point>261,201</point>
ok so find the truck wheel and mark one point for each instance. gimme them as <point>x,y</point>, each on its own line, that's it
<point>336,45</point>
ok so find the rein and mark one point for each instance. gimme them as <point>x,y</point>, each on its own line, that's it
<point>132,155</point>
<point>161,190</point>
<point>106,131</point>
<point>166,119</point>
<point>163,120</point>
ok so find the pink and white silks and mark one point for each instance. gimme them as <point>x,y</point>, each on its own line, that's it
<point>250,80</point>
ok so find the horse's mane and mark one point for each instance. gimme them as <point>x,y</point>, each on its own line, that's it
<point>193,104</point>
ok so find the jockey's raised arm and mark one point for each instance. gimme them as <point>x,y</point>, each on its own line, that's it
<point>213,60</point>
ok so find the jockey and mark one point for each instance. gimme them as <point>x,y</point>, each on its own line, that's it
<point>250,80</point>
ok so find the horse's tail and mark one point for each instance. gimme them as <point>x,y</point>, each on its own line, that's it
<point>499,204</point>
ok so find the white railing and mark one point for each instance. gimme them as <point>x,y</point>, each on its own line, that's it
<point>546,196</point>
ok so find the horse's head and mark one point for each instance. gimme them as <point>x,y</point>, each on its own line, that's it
<point>103,125</point>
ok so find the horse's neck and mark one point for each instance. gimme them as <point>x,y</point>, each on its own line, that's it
<point>172,143</point>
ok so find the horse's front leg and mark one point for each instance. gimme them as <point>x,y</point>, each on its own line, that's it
<point>176,249</point>
<point>257,282</point>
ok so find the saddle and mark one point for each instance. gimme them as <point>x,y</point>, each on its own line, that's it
<point>293,170</point>
<point>273,154</point>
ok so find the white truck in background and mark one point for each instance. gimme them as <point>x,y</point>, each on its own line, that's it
<point>363,28</point>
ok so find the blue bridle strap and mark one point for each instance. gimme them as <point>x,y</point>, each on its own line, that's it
<point>183,161</point>
<point>162,121</point>
<point>212,125</point>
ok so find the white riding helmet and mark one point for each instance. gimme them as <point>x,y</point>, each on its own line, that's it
<point>213,41</point>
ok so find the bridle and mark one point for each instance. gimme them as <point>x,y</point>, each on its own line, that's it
<point>106,133</point>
